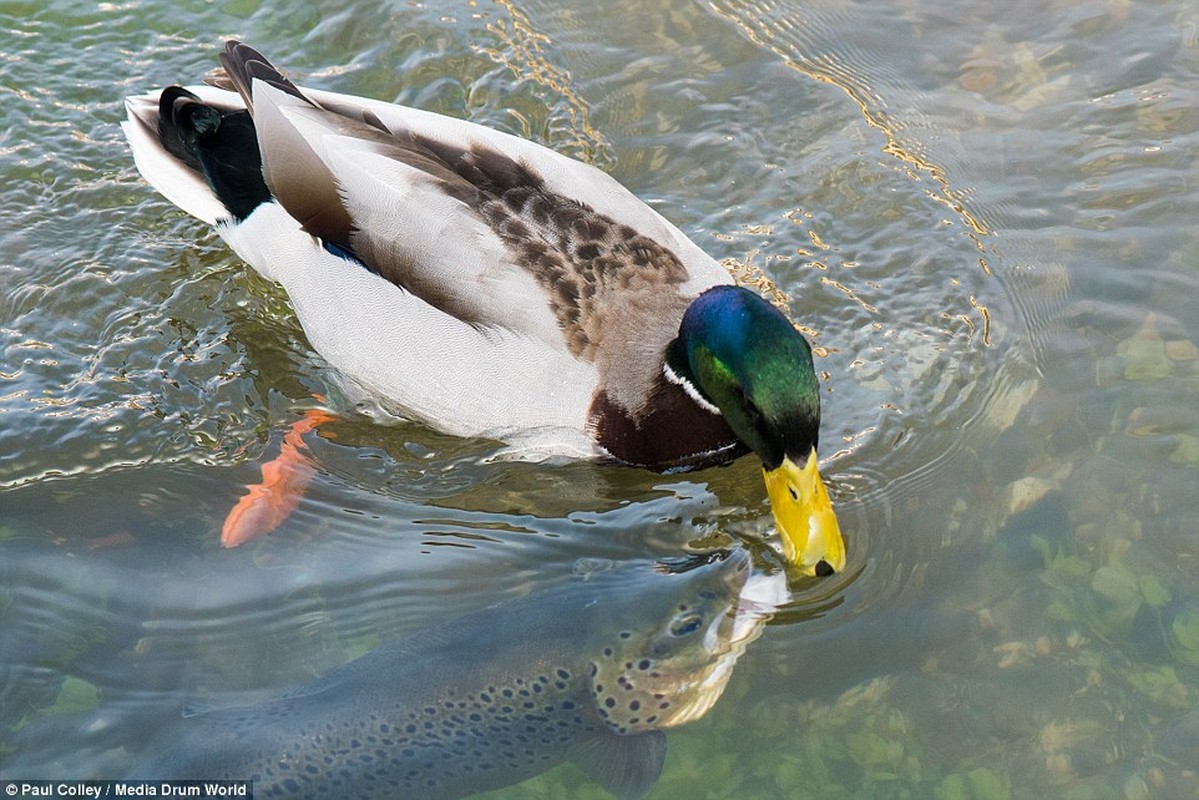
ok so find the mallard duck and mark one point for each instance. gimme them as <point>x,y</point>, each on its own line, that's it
<point>491,287</point>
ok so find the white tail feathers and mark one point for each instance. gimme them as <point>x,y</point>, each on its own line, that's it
<point>173,179</point>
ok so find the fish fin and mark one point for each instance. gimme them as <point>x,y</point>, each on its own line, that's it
<point>627,766</point>
<point>193,708</point>
<point>238,701</point>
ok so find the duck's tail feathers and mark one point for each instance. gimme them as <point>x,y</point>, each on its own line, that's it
<point>198,148</point>
<point>243,65</point>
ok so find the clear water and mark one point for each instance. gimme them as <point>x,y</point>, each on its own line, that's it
<point>985,216</point>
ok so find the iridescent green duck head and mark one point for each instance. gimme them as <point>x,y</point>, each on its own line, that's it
<point>745,359</point>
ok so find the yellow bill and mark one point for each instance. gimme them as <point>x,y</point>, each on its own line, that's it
<point>804,515</point>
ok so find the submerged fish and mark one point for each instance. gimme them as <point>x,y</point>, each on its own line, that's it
<point>590,671</point>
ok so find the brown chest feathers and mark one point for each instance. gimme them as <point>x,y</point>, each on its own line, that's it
<point>671,431</point>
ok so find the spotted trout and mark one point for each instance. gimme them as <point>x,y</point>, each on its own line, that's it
<point>590,671</point>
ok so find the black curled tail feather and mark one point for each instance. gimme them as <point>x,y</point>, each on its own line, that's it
<point>221,144</point>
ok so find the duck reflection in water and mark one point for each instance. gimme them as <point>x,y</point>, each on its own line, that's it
<point>590,671</point>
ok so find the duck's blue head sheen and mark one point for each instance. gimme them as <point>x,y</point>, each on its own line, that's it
<point>743,356</point>
<point>746,358</point>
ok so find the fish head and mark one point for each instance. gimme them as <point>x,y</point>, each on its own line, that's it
<point>671,646</point>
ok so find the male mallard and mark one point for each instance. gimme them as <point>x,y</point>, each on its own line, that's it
<point>492,287</point>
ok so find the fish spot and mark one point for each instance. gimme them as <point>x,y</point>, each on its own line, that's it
<point>610,702</point>
<point>634,705</point>
<point>563,674</point>
<point>644,664</point>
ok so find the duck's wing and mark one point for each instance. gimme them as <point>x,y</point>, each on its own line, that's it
<point>487,227</point>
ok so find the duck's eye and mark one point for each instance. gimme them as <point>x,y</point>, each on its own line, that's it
<point>685,625</point>
<point>753,412</point>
